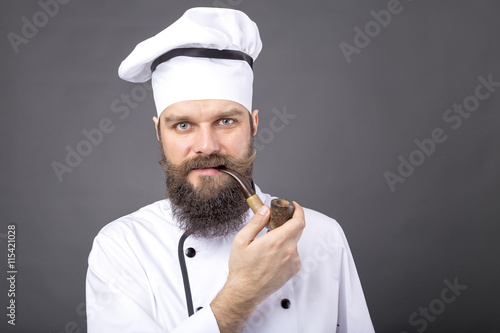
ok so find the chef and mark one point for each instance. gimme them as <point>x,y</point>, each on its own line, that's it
<point>200,260</point>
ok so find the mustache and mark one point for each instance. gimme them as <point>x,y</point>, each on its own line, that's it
<point>211,161</point>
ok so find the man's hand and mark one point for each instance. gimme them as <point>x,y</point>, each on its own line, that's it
<point>257,267</point>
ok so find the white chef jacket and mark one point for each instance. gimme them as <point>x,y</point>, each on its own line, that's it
<point>135,284</point>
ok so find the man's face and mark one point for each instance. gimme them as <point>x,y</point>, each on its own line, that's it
<point>192,129</point>
<point>196,137</point>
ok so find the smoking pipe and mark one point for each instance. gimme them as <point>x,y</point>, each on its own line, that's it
<point>281,209</point>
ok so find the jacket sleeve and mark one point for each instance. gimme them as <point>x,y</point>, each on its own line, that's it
<point>119,297</point>
<point>353,315</point>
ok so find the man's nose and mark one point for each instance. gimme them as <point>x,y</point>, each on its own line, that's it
<point>206,142</point>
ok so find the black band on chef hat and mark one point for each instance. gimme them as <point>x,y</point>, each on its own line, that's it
<point>202,53</point>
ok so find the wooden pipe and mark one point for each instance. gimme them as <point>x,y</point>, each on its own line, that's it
<point>281,209</point>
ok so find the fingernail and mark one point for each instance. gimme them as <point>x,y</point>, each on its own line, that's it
<point>263,210</point>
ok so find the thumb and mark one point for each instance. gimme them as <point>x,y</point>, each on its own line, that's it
<point>255,225</point>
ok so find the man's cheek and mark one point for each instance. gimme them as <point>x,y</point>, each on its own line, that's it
<point>175,151</point>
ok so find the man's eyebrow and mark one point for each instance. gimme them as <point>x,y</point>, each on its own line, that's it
<point>172,118</point>
<point>224,114</point>
<point>231,113</point>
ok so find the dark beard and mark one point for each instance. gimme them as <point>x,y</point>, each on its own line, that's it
<point>217,207</point>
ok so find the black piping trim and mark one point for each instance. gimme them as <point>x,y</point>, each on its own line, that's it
<point>185,277</point>
<point>202,53</point>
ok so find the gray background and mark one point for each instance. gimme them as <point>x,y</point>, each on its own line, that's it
<point>352,121</point>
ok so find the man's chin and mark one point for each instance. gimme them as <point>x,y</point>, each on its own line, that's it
<point>208,185</point>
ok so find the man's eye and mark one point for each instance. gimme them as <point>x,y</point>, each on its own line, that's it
<point>226,121</point>
<point>182,126</point>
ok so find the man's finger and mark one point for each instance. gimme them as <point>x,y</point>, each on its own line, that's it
<point>255,225</point>
<point>296,224</point>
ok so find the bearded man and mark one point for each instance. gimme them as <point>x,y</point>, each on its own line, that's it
<point>200,260</point>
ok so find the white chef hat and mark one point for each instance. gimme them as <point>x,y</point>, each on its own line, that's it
<point>206,54</point>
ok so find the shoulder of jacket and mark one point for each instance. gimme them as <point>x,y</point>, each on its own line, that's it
<point>146,217</point>
<point>319,225</point>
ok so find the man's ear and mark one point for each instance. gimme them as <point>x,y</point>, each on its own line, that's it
<point>156,121</point>
<point>255,119</point>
